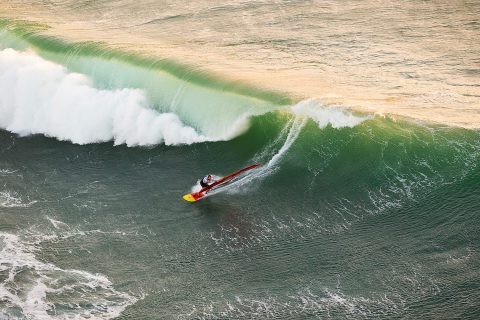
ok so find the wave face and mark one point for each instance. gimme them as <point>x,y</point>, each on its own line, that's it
<point>38,96</point>
<point>165,87</point>
<point>133,105</point>
<point>350,215</point>
<point>333,51</point>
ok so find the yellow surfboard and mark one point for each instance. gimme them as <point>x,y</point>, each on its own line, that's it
<point>189,197</point>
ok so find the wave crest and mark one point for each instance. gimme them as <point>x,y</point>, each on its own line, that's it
<point>335,116</point>
<point>41,97</point>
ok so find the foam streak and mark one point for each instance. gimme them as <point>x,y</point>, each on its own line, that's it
<point>38,288</point>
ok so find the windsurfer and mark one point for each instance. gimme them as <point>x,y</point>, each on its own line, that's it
<point>207,181</point>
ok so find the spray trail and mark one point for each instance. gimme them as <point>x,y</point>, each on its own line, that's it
<point>308,109</point>
<point>292,129</point>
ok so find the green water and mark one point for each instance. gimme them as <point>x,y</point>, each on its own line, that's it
<point>357,217</point>
<point>379,220</point>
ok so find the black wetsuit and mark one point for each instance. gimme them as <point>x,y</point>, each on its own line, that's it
<point>203,184</point>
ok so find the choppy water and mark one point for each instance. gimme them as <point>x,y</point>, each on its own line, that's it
<point>352,215</point>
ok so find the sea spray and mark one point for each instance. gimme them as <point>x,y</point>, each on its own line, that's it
<point>375,221</point>
<point>312,109</point>
<point>335,116</point>
<point>40,97</point>
<point>216,108</point>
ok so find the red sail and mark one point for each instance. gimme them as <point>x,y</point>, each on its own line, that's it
<point>224,179</point>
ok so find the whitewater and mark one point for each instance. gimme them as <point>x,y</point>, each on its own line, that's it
<point>410,59</point>
<point>41,97</point>
<point>363,116</point>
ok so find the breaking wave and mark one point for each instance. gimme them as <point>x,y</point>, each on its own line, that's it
<point>40,97</point>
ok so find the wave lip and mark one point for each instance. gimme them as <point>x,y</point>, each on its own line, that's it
<point>272,155</point>
<point>335,116</point>
<point>41,97</point>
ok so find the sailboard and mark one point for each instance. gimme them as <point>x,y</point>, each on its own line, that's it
<point>195,196</point>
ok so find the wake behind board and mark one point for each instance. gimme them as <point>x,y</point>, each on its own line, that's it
<point>195,196</point>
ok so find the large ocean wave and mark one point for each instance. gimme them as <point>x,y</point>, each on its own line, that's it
<point>53,88</point>
<point>40,97</point>
<point>349,215</point>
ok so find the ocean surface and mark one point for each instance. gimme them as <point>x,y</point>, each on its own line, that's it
<point>365,116</point>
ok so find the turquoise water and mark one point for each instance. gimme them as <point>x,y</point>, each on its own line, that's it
<point>352,215</point>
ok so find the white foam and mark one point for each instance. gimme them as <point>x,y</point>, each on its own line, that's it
<point>292,136</point>
<point>80,294</point>
<point>290,133</point>
<point>311,108</point>
<point>41,97</point>
<point>7,172</point>
<point>57,224</point>
<point>303,303</point>
<point>9,199</point>
<point>61,231</point>
<point>335,116</point>
<point>45,291</point>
